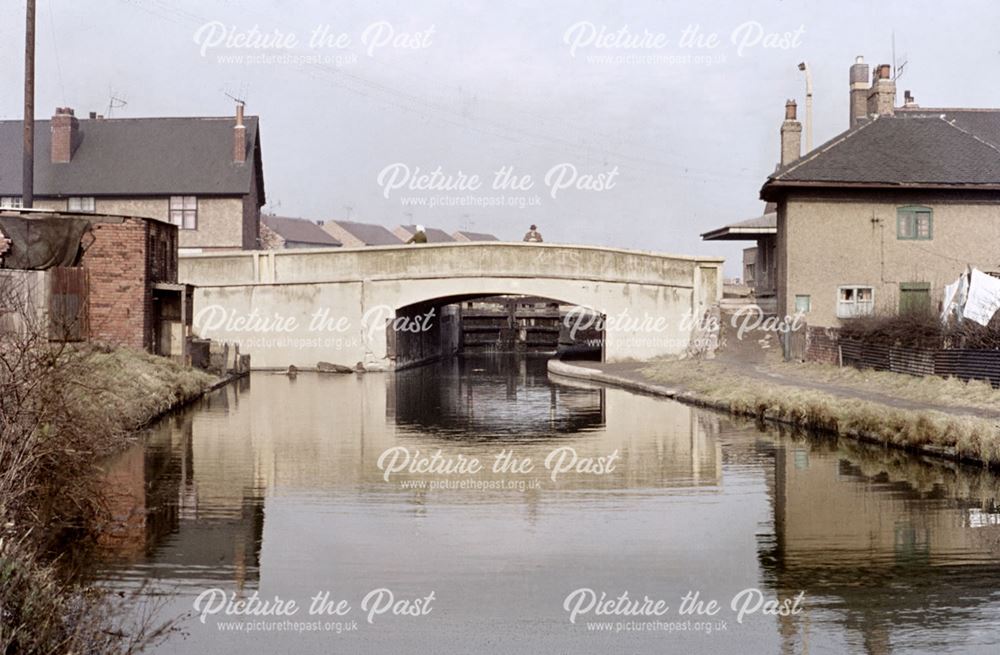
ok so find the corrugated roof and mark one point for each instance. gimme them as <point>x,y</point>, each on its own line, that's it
<point>136,156</point>
<point>369,233</point>
<point>912,148</point>
<point>299,230</point>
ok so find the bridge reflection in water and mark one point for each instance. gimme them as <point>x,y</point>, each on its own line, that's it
<point>276,486</point>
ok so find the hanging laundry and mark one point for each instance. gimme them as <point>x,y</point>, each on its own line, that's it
<point>984,297</point>
<point>955,295</point>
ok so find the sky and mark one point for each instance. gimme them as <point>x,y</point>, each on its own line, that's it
<point>626,124</point>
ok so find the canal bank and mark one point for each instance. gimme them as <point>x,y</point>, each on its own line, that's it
<point>883,408</point>
<point>274,486</point>
<point>62,412</point>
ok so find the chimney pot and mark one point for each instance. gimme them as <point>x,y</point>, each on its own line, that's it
<point>790,110</point>
<point>93,115</point>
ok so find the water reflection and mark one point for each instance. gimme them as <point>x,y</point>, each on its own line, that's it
<point>893,544</point>
<point>491,397</point>
<point>276,487</point>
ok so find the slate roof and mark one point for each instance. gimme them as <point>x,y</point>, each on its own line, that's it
<point>299,230</point>
<point>136,156</point>
<point>434,235</point>
<point>936,148</point>
<point>914,148</point>
<point>475,236</point>
<point>369,233</point>
<point>745,230</point>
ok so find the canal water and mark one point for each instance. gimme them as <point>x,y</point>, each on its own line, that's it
<point>356,497</point>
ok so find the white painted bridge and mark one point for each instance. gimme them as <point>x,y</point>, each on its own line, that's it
<point>350,305</point>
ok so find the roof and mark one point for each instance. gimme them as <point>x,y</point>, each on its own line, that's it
<point>914,148</point>
<point>434,235</point>
<point>136,156</point>
<point>299,230</point>
<point>744,230</point>
<point>369,233</point>
<point>475,236</point>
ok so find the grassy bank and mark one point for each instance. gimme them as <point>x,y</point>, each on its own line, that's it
<point>62,410</point>
<point>881,407</point>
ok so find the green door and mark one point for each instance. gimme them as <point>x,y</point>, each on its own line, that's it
<point>914,297</point>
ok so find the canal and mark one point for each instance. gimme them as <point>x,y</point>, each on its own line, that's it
<point>360,495</point>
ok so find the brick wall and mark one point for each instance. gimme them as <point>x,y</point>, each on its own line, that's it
<point>127,256</point>
<point>822,345</point>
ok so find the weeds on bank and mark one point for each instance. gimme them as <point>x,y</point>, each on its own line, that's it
<point>965,436</point>
<point>64,407</point>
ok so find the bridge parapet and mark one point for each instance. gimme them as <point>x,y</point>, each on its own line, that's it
<point>428,261</point>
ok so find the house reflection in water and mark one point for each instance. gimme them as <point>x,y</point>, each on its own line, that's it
<point>177,513</point>
<point>885,542</point>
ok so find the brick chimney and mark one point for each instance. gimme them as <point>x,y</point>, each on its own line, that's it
<point>882,94</point>
<point>65,135</point>
<point>859,90</point>
<point>791,135</point>
<point>239,136</point>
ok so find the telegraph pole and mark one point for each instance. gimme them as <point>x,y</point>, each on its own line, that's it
<point>28,152</point>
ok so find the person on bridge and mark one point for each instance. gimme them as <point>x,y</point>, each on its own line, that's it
<point>533,235</point>
<point>419,236</point>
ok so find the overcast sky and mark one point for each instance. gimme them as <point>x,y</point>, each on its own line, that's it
<point>682,141</point>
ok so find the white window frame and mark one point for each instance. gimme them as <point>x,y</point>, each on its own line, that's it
<point>11,202</point>
<point>83,204</point>
<point>808,299</point>
<point>854,308</point>
<point>182,211</point>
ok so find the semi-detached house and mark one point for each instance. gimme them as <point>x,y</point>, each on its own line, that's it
<point>202,174</point>
<point>881,217</point>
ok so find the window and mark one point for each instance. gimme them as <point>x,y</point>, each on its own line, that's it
<point>81,204</point>
<point>855,301</point>
<point>10,202</point>
<point>803,304</point>
<point>914,297</point>
<point>184,212</point>
<point>914,223</point>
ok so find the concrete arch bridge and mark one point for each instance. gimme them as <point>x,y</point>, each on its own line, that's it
<point>385,306</point>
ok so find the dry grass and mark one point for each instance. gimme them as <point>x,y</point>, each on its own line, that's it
<point>722,386</point>
<point>930,390</point>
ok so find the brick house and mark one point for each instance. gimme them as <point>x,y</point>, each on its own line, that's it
<point>203,174</point>
<point>116,284</point>
<point>466,236</point>
<point>882,216</point>
<point>279,232</point>
<point>434,235</point>
<point>356,235</point>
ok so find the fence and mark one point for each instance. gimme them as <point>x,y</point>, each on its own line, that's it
<point>962,364</point>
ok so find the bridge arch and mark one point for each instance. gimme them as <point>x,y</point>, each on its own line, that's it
<point>325,299</point>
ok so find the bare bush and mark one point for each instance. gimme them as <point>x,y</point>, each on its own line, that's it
<point>923,330</point>
<point>61,411</point>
